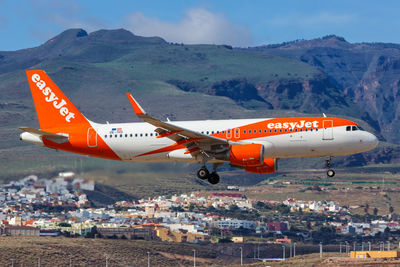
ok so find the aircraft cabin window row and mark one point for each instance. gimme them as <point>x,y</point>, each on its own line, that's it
<point>130,135</point>
<point>348,128</point>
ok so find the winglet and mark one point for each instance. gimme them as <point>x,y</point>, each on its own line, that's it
<point>136,107</point>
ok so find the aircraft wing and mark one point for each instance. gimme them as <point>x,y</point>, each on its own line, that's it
<point>193,140</point>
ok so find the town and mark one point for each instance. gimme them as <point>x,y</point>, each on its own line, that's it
<point>60,207</point>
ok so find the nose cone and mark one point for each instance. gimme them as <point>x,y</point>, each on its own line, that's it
<point>371,140</point>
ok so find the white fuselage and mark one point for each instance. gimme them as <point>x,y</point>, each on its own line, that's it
<point>131,140</point>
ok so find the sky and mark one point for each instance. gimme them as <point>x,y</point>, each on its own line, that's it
<point>29,23</point>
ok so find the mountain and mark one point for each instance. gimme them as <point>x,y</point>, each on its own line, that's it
<point>181,82</point>
<point>367,73</point>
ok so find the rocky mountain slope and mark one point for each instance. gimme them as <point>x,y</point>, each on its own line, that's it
<point>368,73</point>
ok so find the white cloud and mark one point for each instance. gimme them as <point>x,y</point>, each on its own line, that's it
<point>198,26</point>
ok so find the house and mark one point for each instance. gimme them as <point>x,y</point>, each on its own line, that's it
<point>374,254</point>
<point>14,230</point>
<point>278,227</point>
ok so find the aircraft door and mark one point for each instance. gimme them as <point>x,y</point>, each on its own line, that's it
<point>237,133</point>
<point>327,130</point>
<point>91,137</point>
<point>229,134</point>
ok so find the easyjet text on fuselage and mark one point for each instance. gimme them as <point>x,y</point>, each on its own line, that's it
<point>292,125</point>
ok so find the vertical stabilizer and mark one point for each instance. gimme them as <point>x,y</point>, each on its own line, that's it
<point>53,108</point>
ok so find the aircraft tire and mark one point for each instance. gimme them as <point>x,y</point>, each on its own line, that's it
<point>213,178</point>
<point>330,173</point>
<point>203,173</point>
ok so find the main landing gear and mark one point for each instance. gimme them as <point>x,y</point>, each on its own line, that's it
<point>330,172</point>
<point>203,173</point>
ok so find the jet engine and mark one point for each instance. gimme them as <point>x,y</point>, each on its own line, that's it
<point>248,155</point>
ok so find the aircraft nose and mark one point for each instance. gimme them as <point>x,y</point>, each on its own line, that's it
<point>371,140</point>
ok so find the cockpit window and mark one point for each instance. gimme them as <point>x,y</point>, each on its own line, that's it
<point>355,128</point>
<point>360,128</point>
<point>348,128</point>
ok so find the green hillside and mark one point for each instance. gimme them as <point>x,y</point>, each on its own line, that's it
<point>172,81</point>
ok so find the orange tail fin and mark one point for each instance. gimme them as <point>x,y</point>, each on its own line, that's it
<point>53,108</point>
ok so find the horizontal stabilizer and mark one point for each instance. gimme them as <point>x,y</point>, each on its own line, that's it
<point>55,137</point>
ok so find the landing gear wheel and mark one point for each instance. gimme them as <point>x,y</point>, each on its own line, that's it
<point>203,173</point>
<point>213,178</point>
<point>330,173</point>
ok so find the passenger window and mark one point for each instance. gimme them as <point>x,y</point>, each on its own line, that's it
<point>223,132</point>
<point>348,128</point>
<point>110,136</point>
<point>354,128</point>
<point>244,131</point>
<point>270,131</point>
<point>145,134</point>
<point>105,136</point>
<point>208,132</point>
<point>285,130</point>
<point>265,131</point>
<point>260,131</point>
<point>151,134</point>
<point>217,132</point>
<point>141,135</point>
<point>131,135</point>
<point>135,135</point>
<point>116,135</point>
<point>212,132</point>
<point>126,135</point>
<point>120,135</point>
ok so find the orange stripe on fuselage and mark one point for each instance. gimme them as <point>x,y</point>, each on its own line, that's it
<point>278,128</point>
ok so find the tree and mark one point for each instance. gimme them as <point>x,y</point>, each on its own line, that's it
<point>366,208</point>
<point>92,232</point>
<point>391,209</point>
<point>375,211</point>
<point>225,240</point>
<point>308,225</point>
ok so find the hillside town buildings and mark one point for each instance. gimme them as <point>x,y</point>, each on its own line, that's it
<point>51,207</point>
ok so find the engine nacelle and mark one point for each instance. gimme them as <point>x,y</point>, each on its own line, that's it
<point>248,155</point>
<point>269,166</point>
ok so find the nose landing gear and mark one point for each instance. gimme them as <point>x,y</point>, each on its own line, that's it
<point>330,172</point>
<point>203,173</point>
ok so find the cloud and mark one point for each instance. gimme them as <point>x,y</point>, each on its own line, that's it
<point>321,19</point>
<point>198,26</point>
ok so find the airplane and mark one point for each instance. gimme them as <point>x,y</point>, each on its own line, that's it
<point>254,145</point>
